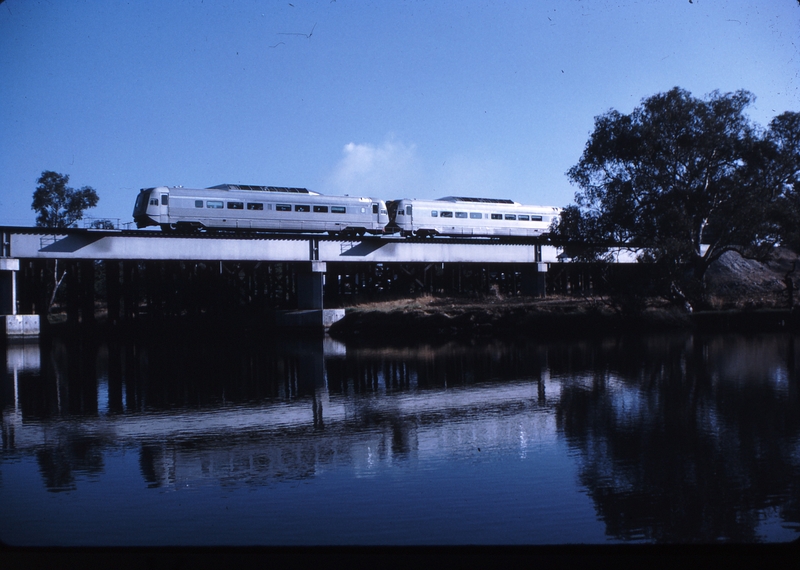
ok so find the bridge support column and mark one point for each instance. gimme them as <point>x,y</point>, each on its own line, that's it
<point>14,325</point>
<point>309,285</point>
<point>80,291</point>
<point>113,290</point>
<point>534,282</point>
<point>309,313</point>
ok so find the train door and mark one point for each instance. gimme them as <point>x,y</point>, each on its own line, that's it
<point>381,213</point>
<point>162,203</point>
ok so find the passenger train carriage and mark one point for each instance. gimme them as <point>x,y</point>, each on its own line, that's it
<point>458,216</point>
<point>269,208</point>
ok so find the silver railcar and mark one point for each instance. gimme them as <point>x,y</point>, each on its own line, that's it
<point>264,208</point>
<point>461,216</point>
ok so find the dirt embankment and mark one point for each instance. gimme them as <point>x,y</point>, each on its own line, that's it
<point>736,283</point>
<point>432,317</point>
<point>743,295</point>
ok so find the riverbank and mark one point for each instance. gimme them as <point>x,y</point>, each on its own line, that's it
<point>440,318</point>
<point>743,295</point>
<point>447,317</point>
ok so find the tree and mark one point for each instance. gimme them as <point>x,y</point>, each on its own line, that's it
<point>784,139</point>
<point>58,205</point>
<point>685,180</point>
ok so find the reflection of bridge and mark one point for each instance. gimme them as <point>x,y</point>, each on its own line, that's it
<point>291,438</point>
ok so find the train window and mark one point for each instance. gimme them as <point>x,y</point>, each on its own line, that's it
<point>215,204</point>
<point>434,214</point>
<point>198,203</point>
<point>523,217</point>
<point>154,202</point>
<point>283,207</point>
<point>400,213</point>
<point>536,218</point>
<point>497,216</point>
<point>321,209</point>
<point>511,216</point>
<point>164,199</point>
<point>338,209</point>
<point>476,215</point>
<point>408,210</point>
<point>235,205</point>
<point>374,208</point>
<point>255,206</point>
<point>447,214</point>
<point>461,214</point>
<point>302,208</point>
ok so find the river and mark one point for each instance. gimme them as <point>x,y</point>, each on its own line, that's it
<point>187,439</point>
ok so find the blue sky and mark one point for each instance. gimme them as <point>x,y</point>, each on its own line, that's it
<point>389,99</point>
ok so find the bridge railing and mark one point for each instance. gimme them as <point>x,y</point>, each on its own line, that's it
<point>101,223</point>
<point>45,241</point>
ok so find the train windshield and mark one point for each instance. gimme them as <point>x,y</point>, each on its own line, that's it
<point>141,199</point>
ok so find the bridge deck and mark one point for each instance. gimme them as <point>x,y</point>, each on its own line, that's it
<point>37,243</point>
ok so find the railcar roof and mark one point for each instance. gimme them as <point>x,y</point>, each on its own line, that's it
<point>476,200</point>
<point>256,188</point>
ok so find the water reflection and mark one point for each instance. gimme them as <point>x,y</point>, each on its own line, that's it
<point>689,440</point>
<point>676,438</point>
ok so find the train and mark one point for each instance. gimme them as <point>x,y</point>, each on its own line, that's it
<point>264,208</point>
<point>461,216</point>
<point>236,207</point>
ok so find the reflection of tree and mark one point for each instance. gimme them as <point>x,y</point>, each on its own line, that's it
<point>59,464</point>
<point>674,453</point>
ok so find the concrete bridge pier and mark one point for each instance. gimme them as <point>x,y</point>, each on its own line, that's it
<point>310,280</point>
<point>534,280</point>
<point>310,313</point>
<point>14,325</point>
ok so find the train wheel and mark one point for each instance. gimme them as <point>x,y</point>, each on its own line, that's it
<point>188,227</point>
<point>168,227</point>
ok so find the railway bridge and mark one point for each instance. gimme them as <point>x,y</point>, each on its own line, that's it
<point>311,257</point>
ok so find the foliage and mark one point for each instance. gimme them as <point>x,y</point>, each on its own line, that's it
<point>684,180</point>
<point>58,205</point>
<point>784,142</point>
<point>102,224</point>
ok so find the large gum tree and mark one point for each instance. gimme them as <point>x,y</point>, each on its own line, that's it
<point>685,180</point>
<point>60,206</point>
<point>56,204</point>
